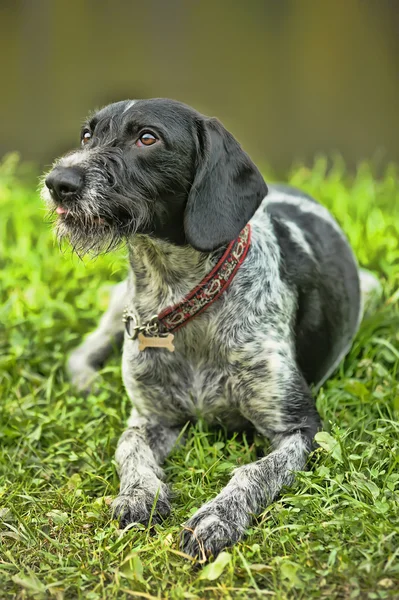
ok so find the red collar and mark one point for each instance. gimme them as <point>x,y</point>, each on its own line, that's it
<point>200,298</point>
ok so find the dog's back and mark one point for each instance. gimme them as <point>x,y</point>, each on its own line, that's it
<point>316,258</point>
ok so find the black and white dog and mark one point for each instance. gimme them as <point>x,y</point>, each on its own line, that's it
<point>264,310</point>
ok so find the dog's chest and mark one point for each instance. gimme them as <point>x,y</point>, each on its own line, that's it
<point>194,381</point>
<point>220,356</point>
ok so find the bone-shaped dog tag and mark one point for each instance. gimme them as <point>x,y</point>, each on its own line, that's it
<point>156,341</point>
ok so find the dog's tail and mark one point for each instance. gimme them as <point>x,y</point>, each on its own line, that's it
<point>370,290</point>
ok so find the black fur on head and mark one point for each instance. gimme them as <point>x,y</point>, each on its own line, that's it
<point>153,167</point>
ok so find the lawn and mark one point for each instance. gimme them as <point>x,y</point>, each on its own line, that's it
<point>335,534</point>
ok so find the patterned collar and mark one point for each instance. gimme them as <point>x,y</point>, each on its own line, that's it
<point>156,333</point>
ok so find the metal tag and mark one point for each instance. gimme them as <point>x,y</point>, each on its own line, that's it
<point>155,341</point>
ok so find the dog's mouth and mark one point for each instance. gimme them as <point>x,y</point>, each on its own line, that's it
<point>61,211</point>
<point>68,214</point>
<point>87,233</point>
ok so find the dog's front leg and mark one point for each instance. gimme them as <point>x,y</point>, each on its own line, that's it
<point>141,450</point>
<point>223,521</point>
<point>87,358</point>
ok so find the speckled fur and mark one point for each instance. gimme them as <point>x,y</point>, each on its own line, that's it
<point>248,361</point>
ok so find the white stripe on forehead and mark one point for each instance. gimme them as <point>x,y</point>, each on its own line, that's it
<point>129,105</point>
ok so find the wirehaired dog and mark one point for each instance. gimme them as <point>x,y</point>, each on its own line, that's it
<point>255,313</point>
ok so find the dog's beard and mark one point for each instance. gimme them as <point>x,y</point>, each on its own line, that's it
<point>96,224</point>
<point>87,234</point>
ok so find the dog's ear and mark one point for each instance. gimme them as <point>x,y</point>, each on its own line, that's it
<point>226,191</point>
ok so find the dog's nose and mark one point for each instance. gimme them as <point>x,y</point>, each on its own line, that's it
<point>64,182</point>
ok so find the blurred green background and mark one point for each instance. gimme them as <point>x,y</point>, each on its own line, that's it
<point>290,78</point>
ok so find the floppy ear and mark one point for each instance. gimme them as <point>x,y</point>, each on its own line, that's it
<point>226,191</point>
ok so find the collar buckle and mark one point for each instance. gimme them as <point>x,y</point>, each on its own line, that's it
<point>133,325</point>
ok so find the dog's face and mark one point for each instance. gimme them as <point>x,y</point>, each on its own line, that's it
<point>154,167</point>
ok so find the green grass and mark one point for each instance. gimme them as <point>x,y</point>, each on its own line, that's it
<point>334,535</point>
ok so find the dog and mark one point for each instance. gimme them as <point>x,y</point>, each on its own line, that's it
<point>240,297</point>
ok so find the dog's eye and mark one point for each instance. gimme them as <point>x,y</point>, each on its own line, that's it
<point>146,139</point>
<point>86,137</point>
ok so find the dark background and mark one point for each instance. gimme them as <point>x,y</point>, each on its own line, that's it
<point>290,78</point>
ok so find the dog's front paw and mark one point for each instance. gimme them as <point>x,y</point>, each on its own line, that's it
<point>140,504</point>
<point>210,530</point>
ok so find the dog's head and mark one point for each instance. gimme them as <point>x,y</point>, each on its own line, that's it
<point>156,167</point>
